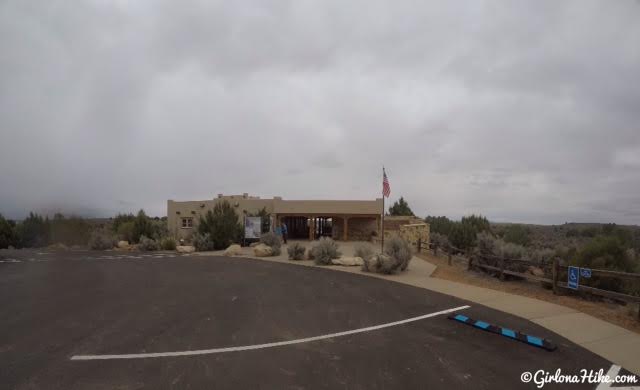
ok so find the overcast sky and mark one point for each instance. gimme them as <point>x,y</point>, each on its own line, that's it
<point>524,111</point>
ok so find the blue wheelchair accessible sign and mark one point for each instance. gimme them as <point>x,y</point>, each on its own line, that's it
<point>585,272</point>
<point>573,278</point>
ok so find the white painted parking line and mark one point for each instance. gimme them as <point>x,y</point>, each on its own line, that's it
<point>267,345</point>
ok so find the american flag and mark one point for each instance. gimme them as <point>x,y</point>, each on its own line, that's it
<point>386,188</point>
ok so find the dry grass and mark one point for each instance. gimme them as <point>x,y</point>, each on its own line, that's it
<point>623,316</point>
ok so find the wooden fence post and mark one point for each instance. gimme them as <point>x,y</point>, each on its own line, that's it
<point>554,272</point>
<point>501,269</point>
<point>470,265</point>
<point>419,244</point>
<point>449,257</point>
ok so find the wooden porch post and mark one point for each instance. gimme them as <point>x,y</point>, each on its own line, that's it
<point>346,227</point>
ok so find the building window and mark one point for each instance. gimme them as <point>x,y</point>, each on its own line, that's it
<point>187,223</point>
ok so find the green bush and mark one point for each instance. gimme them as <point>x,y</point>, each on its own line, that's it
<point>147,244</point>
<point>462,235</point>
<point>168,244</point>
<point>400,207</point>
<point>33,232</point>
<point>202,242</point>
<point>7,234</point>
<point>606,253</point>
<point>101,240</point>
<point>69,230</point>
<point>325,250</point>
<point>272,240</point>
<point>399,250</point>
<point>477,222</point>
<point>126,231</point>
<point>440,225</point>
<point>296,251</point>
<point>142,226</point>
<point>222,225</point>
<point>121,219</point>
<point>364,251</point>
<point>517,234</point>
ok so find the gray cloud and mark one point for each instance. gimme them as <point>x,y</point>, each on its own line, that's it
<point>523,111</point>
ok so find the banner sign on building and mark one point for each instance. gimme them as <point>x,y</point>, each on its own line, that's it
<point>252,227</point>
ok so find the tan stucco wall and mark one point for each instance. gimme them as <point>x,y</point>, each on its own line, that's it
<point>277,206</point>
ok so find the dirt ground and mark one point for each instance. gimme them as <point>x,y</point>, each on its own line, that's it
<point>621,315</point>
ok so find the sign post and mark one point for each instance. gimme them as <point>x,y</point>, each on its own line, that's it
<point>573,277</point>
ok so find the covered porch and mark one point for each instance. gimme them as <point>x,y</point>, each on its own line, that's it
<point>345,227</point>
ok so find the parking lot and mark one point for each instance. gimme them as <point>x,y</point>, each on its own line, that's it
<point>125,320</point>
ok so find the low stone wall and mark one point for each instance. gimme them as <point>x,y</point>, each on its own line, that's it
<point>414,232</point>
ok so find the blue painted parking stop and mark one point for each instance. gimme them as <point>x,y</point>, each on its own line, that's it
<point>510,333</point>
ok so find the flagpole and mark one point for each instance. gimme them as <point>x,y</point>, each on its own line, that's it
<point>382,246</point>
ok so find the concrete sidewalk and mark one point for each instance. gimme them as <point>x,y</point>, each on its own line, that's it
<point>610,341</point>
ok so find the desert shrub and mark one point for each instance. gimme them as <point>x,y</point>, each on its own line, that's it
<point>325,250</point>
<point>462,236</point>
<point>382,264</point>
<point>125,231</point>
<point>440,225</point>
<point>486,244</point>
<point>121,219</point>
<point>296,251</point>
<point>542,256</point>
<point>272,240</point>
<point>222,225</point>
<point>607,253</point>
<point>490,250</point>
<point>168,244</point>
<point>7,234</point>
<point>33,232</point>
<point>399,250</point>
<point>365,251</point>
<point>202,242</point>
<point>69,230</point>
<point>477,222</point>
<point>101,239</point>
<point>147,244</point>
<point>142,226</point>
<point>516,234</point>
<point>440,240</point>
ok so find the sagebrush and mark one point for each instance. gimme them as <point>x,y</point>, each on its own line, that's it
<point>364,251</point>
<point>101,240</point>
<point>270,239</point>
<point>399,250</point>
<point>296,251</point>
<point>147,244</point>
<point>202,242</point>
<point>325,250</point>
<point>168,244</point>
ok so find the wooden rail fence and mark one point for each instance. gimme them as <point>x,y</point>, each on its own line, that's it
<point>556,269</point>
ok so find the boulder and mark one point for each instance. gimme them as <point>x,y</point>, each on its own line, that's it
<point>186,249</point>
<point>262,250</point>
<point>233,250</point>
<point>123,244</point>
<point>11,247</point>
<point>58,246</point>
<point>351,261</point>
